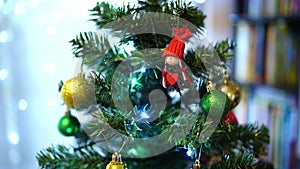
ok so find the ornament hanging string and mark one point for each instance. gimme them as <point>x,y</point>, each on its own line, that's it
<point>81,66</point>
<point>226,76</point>
<point>200,152</point>
<point>123,145</point>
<point>68,111</point>
<point>197,164</point>
<point>198,155</point>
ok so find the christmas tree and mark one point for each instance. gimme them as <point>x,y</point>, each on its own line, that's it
<point>153,89</point>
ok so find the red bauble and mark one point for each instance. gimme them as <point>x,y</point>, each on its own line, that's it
<point>231,118</point>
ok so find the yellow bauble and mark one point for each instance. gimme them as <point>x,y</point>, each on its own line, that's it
<point>78,93</point>
<point>233,91</point>
<point>115,165</point>
<point>116,162</point>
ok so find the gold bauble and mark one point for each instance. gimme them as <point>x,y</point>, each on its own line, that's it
<point>115,165</point>
<point>233,91</point>
<point>116,162</point>
<point>78,93</point>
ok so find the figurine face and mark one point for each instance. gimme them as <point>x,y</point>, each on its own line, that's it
<point>171,60</point>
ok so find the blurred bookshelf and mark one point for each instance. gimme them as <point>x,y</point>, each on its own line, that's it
<point>267,66</point>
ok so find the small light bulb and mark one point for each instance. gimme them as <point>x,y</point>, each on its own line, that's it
<point>144,115</point>
<point>143,70</point>
<point>189,153</point>
<point>133,81</point>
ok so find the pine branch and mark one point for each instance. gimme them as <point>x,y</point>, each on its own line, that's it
<point>243,138</point>
<point>203,60</point>
<point>186,11</point>
<point>102,89</point>
<point>91,47</point>
<point>105,13</point>
<point>240,161</point>
<point>87,157</point>
<point>226,138</point>
<point>236,162</point>
<point>194,60</point>
<point>65,158</point>
<point>152,5</point>
<point>119,21</point>
<point>225,49</point>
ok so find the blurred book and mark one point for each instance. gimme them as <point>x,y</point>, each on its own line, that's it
<point>269,8</point>
<point>245,53</point>
<point>270,55</point>
<point>267,55</point>
<point>276,109</point>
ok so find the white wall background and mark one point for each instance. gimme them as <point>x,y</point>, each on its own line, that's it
<point>35,55</point>
<point>218,22</point>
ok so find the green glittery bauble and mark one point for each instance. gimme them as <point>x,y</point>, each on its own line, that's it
<point>215,100</point>
<point>68,125</point>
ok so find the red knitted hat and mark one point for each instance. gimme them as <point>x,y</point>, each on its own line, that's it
<point>177,44</point>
